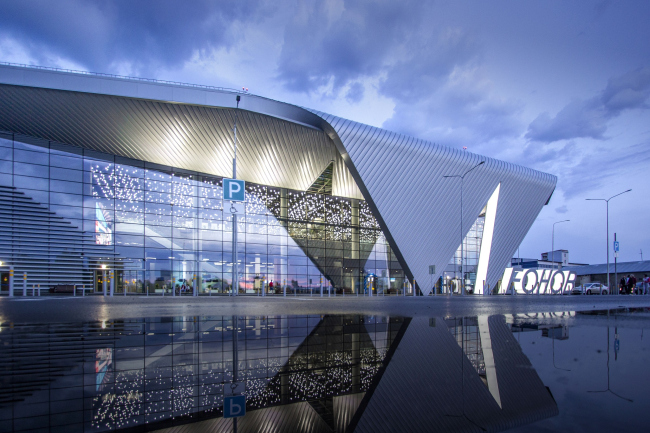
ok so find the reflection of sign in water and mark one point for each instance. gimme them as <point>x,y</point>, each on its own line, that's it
<point>234,406</point>
<point>103,364</point>
<point>538,281</point>
<point>103,230</point>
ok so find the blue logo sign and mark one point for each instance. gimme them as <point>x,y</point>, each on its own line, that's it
<point>234,190</point>
<point>616,245</point>
<point>234,406</point>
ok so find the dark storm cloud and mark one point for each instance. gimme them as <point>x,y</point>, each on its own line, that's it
<point>327,42</point>
<point>588,118</point>
<point>143,33</point>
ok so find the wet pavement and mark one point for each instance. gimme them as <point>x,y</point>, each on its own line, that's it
<point>309,365</point>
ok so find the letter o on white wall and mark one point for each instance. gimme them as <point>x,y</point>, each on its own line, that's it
<point>526,284</point>
<point>553,284</point>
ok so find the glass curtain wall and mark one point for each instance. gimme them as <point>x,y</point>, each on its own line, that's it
<point>472,250</point>
<point>169,229</point>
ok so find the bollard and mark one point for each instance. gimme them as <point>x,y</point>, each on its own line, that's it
<point>83,290</point>
<point>284,288</point>
<point>414,287</point>
<point>74,290</point>
<point>33,290</point>
<point>24,283</point>
<point>39,290</point>
<point>173,286</point>
<point>111,280</point>
<point>195,291</point>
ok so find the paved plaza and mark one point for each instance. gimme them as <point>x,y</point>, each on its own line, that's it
<point>56,309</point>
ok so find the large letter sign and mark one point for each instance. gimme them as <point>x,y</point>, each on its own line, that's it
<point>233,190</point>
<point>537,281</point>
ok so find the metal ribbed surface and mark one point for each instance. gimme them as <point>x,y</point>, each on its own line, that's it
<point>403,178</point>
<point>296,417</point>
<point>284,145</point>
<point>270,151</point>
<point>434,387</point>
<point>345,406</point>
<point>44,245</point>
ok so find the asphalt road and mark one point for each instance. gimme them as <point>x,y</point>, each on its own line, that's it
<point>57,309</point>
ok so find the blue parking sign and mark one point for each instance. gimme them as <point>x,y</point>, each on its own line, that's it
<point>234,406</point>
<point>616,246</point>
<point>234,190</point>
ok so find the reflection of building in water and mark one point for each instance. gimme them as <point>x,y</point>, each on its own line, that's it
<point>300,373</point>
<point>466,332</point>
<point>137,372</point>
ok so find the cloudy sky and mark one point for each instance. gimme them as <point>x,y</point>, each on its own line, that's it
<point>559,86</point>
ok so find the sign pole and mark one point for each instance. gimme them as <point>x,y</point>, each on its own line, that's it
<point>615,270</point>
<point>235,271</point>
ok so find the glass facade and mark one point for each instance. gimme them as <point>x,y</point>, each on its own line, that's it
<point>470,256</point>
<point>144,228</point>
<point>164,371</point>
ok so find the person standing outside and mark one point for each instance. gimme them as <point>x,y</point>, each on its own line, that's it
<point>646,283</point>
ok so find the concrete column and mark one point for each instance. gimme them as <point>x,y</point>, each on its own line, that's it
<point>356,362</point>
<point>283,203</point>
<point>355,229</point>
<point>104,282</point>
<point>11,281</point>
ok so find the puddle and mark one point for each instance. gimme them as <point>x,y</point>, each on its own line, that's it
<point>333,373</point>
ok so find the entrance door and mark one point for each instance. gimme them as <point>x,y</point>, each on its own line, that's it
<point>4,282</point>
<point>99,281</point>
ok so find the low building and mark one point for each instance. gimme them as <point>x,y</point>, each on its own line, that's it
<point>558,259</point>
<point>598,273</point>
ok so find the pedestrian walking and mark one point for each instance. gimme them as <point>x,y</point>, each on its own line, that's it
<point>646,284</point>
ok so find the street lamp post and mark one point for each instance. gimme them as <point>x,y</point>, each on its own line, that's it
<point>553,242</point>
<point>553,239</point>
<point>462,179</point>
<point>607,210</point>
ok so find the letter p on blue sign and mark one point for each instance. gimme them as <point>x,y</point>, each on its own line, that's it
<point>234,406</point>
<point>234,190</point>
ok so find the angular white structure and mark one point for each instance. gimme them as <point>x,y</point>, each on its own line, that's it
<point>184,129</point>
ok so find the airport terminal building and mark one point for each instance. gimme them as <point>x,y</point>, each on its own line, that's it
<point>117,181</point>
